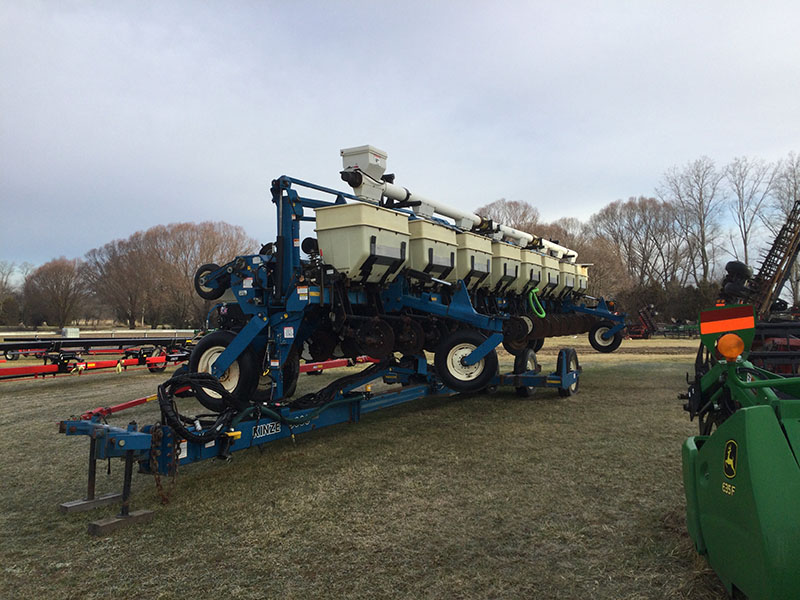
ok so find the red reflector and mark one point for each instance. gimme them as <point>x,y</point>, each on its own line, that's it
<point>734,312</point>
<point>727,319</point>
<point>727,325</point>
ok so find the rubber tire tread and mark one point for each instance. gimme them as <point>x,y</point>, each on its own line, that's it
<point>571,353</point>
<point>213,294</point>
<point>615,342</point>
<point>521,366</point>
<point>160,368</point>
<point>248,371</point>
<point>291,373</point>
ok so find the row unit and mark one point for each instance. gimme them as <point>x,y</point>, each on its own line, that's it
<point>371,244</point>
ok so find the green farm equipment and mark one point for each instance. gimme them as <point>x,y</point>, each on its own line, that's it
<point>741,474</point>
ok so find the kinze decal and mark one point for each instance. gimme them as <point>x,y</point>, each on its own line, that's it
<point>266,429</point>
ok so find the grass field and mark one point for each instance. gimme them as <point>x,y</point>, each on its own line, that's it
<point>488,496</point>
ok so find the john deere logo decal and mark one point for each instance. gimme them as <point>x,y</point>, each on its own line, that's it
<point>729,463</point>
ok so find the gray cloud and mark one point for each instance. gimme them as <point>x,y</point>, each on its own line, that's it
<point>118,116</point>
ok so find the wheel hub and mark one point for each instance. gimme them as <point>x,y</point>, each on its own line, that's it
<point>229,379</point>
<point>456,358</point>
<point>600,339</point>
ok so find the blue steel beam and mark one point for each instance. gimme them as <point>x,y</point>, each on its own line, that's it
<point>346,407</point>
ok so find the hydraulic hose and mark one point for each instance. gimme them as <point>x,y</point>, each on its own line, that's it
<point>166,401</point>
<point>322,400</point>
<point>536,305</point>
<point>276,416</point>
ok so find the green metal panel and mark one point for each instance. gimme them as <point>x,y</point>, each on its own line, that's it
<point>690,449</point>
<point>743,503</point>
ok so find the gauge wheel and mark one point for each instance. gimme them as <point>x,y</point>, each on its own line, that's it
<point>515,347</point>
<point>204,291</point>
<point>449,357</point>
<point>596,337</point>
<point>524,362</point>
<point>157,367</point>
<point>571,357</point>
<point>240,379</point>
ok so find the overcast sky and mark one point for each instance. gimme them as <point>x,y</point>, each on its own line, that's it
<point>116,116</point>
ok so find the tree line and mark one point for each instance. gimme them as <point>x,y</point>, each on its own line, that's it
<point>147,278</point>
<point>666,249</point>
<point>669,249</point>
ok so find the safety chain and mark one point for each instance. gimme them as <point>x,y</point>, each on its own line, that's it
<point>156,437</point>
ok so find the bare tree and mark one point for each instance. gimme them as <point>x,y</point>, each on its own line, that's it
<point>179,249</point>
<point>696,193</point>
<point>646,238</point>
<point>751,182</point>
<point>786,193</point>
<point>150,275</point>
<point>120,275</point>
<point>567,231</point>
<point>11,292</point>
<point>25,268</point>
<point>607,274</point>
<point>6,272</point>
<point>520,215</point>
<point>9,295</point>
<point>55,290</point>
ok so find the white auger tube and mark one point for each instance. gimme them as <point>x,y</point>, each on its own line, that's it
<point>369,164</point>
<point>399,193</point>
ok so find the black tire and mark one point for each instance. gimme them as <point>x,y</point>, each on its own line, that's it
<point>160,367</point>
<point>291,373</point>
<point>739,269</point>
<point>536,345</point>
<point>598,343</point>
<point>10,355</point>
<point>572,365</point>
<point>207,293</point>
<point>435,332</point>
<point>515,347</point>
<point>456,376</point>
<point>526,361</point>
<point>240,379</point>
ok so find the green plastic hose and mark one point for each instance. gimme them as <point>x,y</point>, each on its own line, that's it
<point>536,306</point>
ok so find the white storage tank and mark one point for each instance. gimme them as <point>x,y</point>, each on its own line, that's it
<point>473,260</point>
<point>550,275</point>
<point>506,262</point>
<point>583,279</point>
<point>531,274</point>
<point>567,277</point>
<point>433,248</point>
<point>366,242</point>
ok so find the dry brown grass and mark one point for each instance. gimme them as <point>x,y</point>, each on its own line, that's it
<point>489,496</point>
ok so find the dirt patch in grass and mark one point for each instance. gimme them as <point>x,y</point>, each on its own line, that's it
<point>487,496</point>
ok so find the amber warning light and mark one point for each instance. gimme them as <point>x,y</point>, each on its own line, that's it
<point>730,346</point>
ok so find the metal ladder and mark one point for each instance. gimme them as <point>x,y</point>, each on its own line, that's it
<point>777,263</point>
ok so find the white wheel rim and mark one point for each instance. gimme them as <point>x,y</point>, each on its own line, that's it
<point>459,370</point>
<point>205,288</point>
<point>598,337</point>
<point>573,366</point>
<point>229,379</point>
